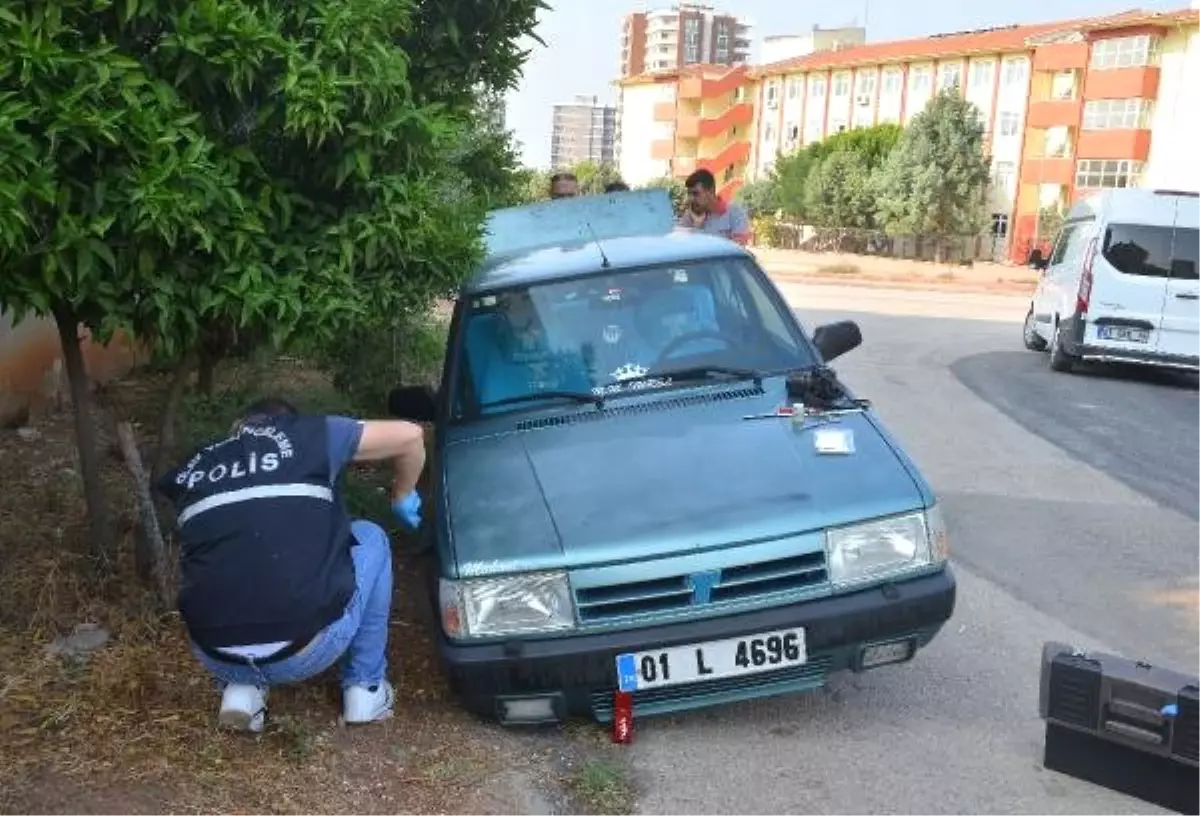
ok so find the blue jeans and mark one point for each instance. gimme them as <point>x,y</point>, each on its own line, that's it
<point>359,637</point>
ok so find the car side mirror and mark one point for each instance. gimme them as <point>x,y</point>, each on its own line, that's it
<point>416,403</point>
<point>835,339</point>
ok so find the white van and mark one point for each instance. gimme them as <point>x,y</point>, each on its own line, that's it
<point>1120,285</point>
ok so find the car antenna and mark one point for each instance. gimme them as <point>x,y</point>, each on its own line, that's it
<point>604,262</point>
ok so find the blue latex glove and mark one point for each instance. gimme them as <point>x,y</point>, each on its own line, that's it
<point>408,510</point>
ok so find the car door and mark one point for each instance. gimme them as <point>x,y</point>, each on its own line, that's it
<point>1061,278</point>
<point>1179,332</point>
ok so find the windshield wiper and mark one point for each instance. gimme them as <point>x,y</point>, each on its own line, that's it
<point>703,372</point>
<point>577,396</point>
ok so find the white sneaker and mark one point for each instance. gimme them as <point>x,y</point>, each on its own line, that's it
<point>243,708</point>
<point>364,704</point>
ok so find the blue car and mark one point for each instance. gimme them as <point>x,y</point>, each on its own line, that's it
<point>647,480</point>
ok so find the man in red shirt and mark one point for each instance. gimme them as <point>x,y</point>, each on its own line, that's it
<point>708,212</point>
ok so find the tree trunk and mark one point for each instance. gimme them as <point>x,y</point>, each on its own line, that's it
<point>150,554</point>
<point>170,419</point>
<point>206,378</point>
<point>100,532</point>
<point>939,250</point>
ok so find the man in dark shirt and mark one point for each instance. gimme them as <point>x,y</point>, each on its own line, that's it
<point>278,583</point>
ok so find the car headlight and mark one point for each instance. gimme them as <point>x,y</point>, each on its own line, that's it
<point>507,605</point>
<point>863,552</point>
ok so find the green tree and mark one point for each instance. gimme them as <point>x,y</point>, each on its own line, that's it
<point>194,171</point>
<point>935,181</point>
<point>593,177</point>
<point>760,197</point>
<point>838,192</point>
<point>791,171</point>
<point>674,186</point>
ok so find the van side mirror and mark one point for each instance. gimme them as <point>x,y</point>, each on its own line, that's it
<point>1037,260</point>
<point>835,339</point>
<point>416,403</point>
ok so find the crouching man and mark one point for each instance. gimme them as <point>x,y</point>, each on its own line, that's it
<point>278,584</point>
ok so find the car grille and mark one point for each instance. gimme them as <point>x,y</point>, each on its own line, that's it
<point>677,698</point>
<point>745,582</point>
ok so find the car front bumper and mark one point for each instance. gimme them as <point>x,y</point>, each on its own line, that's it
<point>576,675</point>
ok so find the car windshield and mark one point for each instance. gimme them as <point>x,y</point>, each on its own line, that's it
<point>617,332</point>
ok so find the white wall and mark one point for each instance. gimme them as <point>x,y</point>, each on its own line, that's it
<point>891,94</point>
<point>1011,104</point>
<point>814,109</point>
<point>793,107</point>
<point>1174,162</point>
<point>639,131</point>
<point>980,82</point>
<point>841,101</point>
<point>866,86</point>
<point>921,79</point>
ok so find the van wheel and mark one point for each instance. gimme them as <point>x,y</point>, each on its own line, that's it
<point>1033,340</point>
<point>1059,359</point>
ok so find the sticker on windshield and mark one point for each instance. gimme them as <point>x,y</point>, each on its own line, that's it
<point>833,441</point>
<point>680,276</point>
<point>613,296</point>
<point>629,371</point>
<point>632,386</point>
<point>612,334</point>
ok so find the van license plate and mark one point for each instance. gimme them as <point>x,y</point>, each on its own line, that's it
<point>717,659</point>
<point>1124,334</point>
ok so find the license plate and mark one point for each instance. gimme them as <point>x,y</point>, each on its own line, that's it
<point>717,659</point>
<point>1124,334</point>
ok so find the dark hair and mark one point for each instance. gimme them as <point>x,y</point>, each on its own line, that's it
<point>616,187</point>
<point>703,178</point>
<point>269,407</point>
<point>563,176</point>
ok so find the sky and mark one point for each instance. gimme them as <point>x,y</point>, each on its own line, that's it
<point>583,40</point>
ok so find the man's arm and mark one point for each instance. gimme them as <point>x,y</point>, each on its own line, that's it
<point>739,224</point>
<point>402,442</point>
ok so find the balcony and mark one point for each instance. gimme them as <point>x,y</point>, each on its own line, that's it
<point>697,127</point>
<point>662,149</point>
<point>1132,143</point>
<point>1061,57</point>
<point>683,166</point>
<point>706,87</point>
<point>664,112</point>
<point>734,153</point>
<point>1122,83</point>
<point>1048,170</point>
<point>1055,112</point>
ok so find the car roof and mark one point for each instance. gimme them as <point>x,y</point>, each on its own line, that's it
<point>1134,205</point>
<point>562,261</point>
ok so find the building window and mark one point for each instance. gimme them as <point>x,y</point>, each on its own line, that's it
<point>768,133</point>
<point>1063,85</point>
<point>999,225</point>
<point>950,76</point>
<point>1116,114</point>
<point>864,82</point>
<point>841,84</point>
<point>1093,174</point>
<point>793,133</point>
<point>1016,72</point>
<point>891,81</point>
<point>793,87</point>
<point>1010,123</point>
<point>816,87</point>
<point>1003,176</point>
<point>919,79</point>
<point>1125,52</point>
<point>772,94</point>
<point>981,73</point>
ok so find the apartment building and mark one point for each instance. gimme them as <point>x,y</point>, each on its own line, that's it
<point>583,130</point>
<point>684,34</point>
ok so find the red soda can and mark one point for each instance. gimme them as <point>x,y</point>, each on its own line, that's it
<point>622,728</point>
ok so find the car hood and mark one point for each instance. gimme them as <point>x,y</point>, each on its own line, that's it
<point>641,485</point>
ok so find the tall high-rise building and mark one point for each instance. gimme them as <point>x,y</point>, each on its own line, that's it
<point>583,130</point>
<point>684,34</point>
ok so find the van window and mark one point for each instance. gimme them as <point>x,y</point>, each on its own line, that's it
<point>1184,252</point>
<point>1069,245</point>
<point>1136,249</point>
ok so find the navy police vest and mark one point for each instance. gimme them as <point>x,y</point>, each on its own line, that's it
<point>265,540</point>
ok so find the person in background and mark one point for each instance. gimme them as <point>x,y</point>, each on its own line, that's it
<point>616,187</point>
<point>278,583</point>
<point>564,185</point>
<point>708,212</point>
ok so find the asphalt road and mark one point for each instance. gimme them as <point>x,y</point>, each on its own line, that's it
<point>1071,502</point>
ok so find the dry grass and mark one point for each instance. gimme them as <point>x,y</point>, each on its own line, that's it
<point>840,269</point>
<point>132,729</point>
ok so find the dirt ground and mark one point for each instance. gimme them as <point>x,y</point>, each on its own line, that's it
<point>865,270</point>
<point>130,728</point>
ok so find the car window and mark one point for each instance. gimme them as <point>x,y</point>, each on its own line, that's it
<point>1184,251</point>
<point>592,333</point>
<point>1139,249</point>
<point>1069,246</point>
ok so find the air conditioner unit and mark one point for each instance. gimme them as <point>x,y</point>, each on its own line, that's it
<point>772,104</point>
<point>863,100</point>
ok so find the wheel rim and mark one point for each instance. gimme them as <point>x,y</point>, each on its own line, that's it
<point>1029,338</point>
